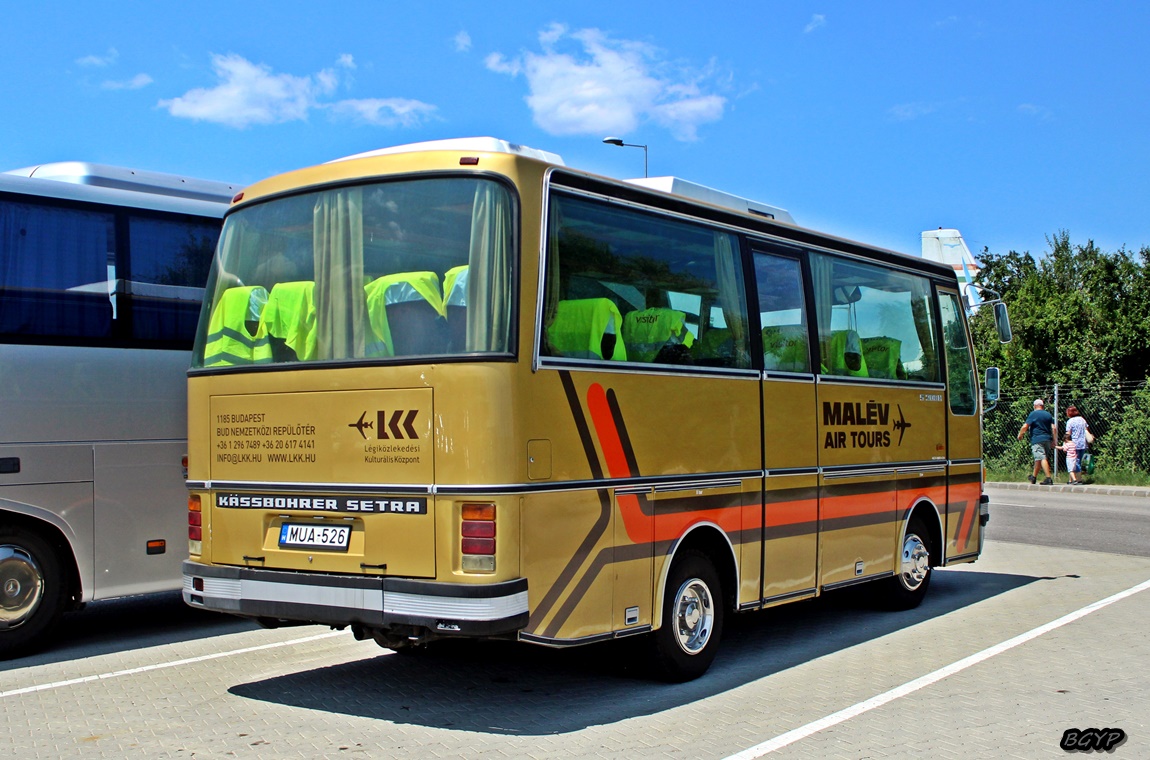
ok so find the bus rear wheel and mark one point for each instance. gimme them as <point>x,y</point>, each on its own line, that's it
<point>685,645</point>
<point>32,593</point>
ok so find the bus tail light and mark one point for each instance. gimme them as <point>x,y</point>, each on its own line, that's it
<point>195,525</point>
<point>477,538</point>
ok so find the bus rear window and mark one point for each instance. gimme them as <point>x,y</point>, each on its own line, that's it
<point>410,268</point>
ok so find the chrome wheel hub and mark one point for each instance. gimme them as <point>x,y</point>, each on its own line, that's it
<point>915,562</point>
<point>21,586</point>
<point>694,616</point>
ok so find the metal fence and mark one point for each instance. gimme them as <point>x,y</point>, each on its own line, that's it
<point>1118,415</point>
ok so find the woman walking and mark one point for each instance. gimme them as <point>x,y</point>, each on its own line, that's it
<point>1079,431</point>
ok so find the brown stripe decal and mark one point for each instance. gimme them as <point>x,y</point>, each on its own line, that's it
<point>601,523</point>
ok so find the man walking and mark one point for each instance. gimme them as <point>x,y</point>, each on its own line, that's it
<point>1040,424</point>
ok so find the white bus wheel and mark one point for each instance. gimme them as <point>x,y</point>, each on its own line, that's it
<point>32,593</point>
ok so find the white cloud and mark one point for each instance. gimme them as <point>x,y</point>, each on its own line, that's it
<point>816,21</point>
<point>99,61</point>
<point>1038,112</point>
<point>598,85</point>
<point>500,65</point>
<point>911,111</point>
<point>135,83</point>
<point>248,93</point>
<point>462,42</point>
<point>384,112</point>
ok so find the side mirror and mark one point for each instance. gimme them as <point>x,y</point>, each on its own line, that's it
<point>990,388</point>
<point>1002,321</point>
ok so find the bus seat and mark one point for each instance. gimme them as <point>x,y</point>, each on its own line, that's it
<point>883,357</point>
<point>406,313</point>
<point>587,328</point>
<point>236,335</point>
<point>289,319</point>
<point>844,355</point>
<point>455,306</point>
<point>654,335</point>
<point>785,348</point>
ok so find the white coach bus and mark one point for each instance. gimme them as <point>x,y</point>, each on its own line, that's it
<point>101,279</point>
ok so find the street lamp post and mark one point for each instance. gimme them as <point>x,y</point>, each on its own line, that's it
<point>618,141</point>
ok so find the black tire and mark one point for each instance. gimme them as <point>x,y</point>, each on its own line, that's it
<point>33,592</point>
<point>908,587</point>
<point>685,645</point>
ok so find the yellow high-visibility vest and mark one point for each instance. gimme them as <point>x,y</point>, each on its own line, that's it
<point>580,326</point>
<point>290,316</point>
<point>646,332</point>
<point>229,342</point>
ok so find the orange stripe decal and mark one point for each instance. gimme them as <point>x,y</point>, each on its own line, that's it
<point>607,433</point>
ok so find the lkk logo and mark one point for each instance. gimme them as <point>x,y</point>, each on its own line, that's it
<point>400,422</point>
<point>1092,739</point>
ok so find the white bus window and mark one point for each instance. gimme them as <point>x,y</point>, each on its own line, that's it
<point>54,271</point>
<point>626,285</point>
<point>779,282</point>
<point>873,322</point>
<point>168,261</point>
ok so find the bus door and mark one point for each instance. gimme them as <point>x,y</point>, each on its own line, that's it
<point>879,411</point>
<point>790,456</point>
<point>964,464</point>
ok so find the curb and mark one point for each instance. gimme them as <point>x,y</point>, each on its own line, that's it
<point>1063,488</point>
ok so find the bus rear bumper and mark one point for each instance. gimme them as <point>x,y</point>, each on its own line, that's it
<point>371,602</point>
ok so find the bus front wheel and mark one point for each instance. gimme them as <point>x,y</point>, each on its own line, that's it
<point>32,593</point>
<point>684,646</point>
<point>907,588</point>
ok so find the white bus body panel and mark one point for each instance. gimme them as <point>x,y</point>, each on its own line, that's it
<point>85,464</point>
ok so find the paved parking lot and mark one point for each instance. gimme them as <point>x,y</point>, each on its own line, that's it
<point>214,687</point>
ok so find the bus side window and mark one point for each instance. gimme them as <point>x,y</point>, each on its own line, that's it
<point>169,263</point>
<point>873,322</point>
<point>959,367</point>
<point>661,274</point>
<point>57,271</point>
<point>782,313</point>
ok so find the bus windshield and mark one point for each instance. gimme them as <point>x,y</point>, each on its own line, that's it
<point>367,272</point>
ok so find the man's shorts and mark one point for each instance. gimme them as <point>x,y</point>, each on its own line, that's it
<point>1041,451</point>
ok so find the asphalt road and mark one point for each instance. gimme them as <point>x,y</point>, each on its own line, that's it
<point>149,677</point>
<point>1076,520</point>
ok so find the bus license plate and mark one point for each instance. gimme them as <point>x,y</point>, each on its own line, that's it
<point>329,537</point>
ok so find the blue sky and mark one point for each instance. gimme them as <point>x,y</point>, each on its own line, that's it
<point>1008,121</point>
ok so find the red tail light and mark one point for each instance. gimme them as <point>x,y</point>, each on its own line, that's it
<point>195,520</point>
<point>477,538</point>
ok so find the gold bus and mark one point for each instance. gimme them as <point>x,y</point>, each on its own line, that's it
<point>458,389</point>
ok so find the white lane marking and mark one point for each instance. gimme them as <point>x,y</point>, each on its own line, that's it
<point>164,665</point>
<point>790,737</point>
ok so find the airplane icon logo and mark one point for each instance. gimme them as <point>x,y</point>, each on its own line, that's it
<point>361,424</point>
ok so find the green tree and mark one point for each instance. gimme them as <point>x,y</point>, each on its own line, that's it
<point>1080,315</point>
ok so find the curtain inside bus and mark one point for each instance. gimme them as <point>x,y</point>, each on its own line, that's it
<point>412,267</point>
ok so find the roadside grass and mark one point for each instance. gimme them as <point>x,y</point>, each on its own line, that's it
<point>1101,476</point>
